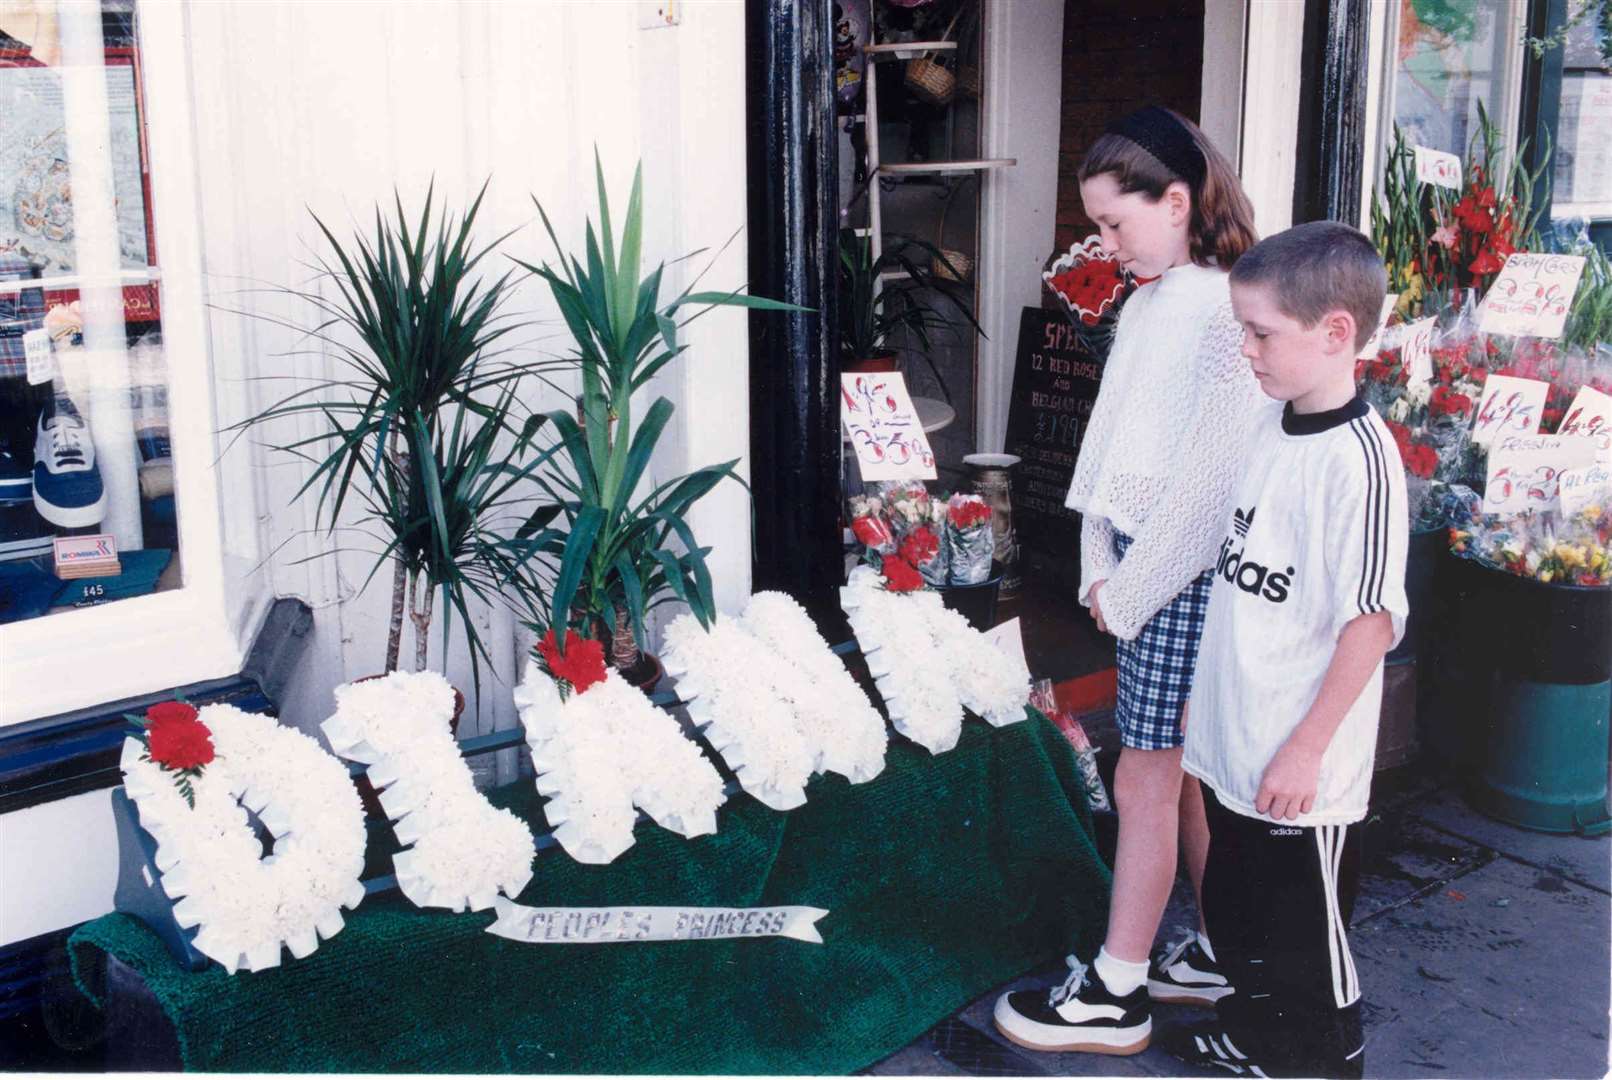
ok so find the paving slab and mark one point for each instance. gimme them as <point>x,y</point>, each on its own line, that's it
<point>1402,857</point>
<point>1586,860</point>
<point>1502,973</point>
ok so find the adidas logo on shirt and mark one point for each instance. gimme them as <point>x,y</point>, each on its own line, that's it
<point>1250,577</point>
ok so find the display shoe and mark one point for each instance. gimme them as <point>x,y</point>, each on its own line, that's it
<point>1184,974</point>
<point>1080,1014</point>
<point>67,486</point>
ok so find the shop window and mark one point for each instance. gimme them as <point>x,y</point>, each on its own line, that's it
<point>87,499</point>
<point>1450,58</point>
<point>1574,75</point>
<point>122,569</point>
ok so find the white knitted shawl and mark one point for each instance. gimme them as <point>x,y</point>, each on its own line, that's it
<point>1165,445</point>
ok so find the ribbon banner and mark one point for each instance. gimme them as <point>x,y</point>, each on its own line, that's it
<point>603,926</point>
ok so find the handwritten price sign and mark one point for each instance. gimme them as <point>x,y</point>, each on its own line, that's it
<point>1369,352</point>
<point>1584,487</point>
<point>1437,167</point>
<point>1525,471</point>
<point>1590,414</point>
<point>883,427</point>
<point>1509,406</point>
<point>1416,349</point>
<point>1532,294</point>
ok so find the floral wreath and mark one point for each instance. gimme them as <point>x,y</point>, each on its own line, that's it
<point>929,663</point>
<point>189,778</point>
<point>464,851</point>
<point>602,749</point>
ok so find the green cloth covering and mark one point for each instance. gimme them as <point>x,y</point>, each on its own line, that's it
<point>943,877</point>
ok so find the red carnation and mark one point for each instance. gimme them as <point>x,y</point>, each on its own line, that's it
<point>1421,460</point>
<point>176,738</point>
<point>920,546</point>
<point>967,513</point>
<point>582,665</point>
<point>900,575</point>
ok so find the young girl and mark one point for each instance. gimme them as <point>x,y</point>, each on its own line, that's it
<point>1154,483</point>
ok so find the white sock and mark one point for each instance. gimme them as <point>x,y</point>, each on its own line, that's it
<point>1203,943</point>
<point>1120,976</point>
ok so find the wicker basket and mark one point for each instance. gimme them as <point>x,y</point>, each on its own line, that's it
<point>962,263</point>
<point>968,82</point>
<point>930,81</point>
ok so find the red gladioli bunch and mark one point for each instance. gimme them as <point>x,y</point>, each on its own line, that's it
<point>580,666</point>
<point>1472,241</point>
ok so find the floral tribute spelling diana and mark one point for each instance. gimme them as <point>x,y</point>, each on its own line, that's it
<point>196,778</point>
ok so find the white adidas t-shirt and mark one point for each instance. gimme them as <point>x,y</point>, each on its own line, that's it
<point>1318,539</point>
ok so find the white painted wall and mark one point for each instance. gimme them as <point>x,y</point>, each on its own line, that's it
<point>1271,114</point>
<point>1018,208</point>
<point>327,106</point>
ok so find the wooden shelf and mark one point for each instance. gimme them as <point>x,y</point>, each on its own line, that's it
<point>932,168</point>
<point>879,52</point>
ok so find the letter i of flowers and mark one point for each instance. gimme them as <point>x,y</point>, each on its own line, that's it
<point>177,741</point>
<point>578,667</point>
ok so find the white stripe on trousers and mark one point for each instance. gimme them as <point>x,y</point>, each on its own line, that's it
<point>1329,851</point>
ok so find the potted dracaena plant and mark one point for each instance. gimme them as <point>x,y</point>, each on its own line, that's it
<point>621,552</point>
<point>416,428</point>
<point>898,292</point>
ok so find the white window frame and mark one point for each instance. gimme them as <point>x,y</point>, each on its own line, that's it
<point>202,630</point>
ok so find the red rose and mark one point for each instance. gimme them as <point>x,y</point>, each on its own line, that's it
<point>1421,460</point>
<point>967,514</point>
<point>176,738</point>
<point>582,664</point>
<point>900,575</point>
<point>920,546</point>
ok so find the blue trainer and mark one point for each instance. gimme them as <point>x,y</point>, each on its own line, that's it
<point>67,486</point>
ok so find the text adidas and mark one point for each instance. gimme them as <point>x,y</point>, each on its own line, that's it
<point>1251,577</point>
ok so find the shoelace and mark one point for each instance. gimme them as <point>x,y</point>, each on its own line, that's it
<point>66,441</point>
<point>1173,953</point>
<point>1071,984</point>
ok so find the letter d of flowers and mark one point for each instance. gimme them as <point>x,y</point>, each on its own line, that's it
<point>192,777</point>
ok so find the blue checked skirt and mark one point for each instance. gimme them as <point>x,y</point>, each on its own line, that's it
<point>1155,670</point>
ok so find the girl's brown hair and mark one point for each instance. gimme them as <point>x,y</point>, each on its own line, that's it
<point>1222,223</point>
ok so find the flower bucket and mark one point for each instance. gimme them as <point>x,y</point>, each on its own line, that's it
<point>1427,547</point>
<point>1523,695</point>
<point>976,603</point>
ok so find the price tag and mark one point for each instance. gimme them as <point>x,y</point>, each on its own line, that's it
<point>1509,406</point>
<point>1416,349</point>
<point>1438,167</point>
<point>1010,639</point>
<point>1370,351</point>
<point>1583,487</point>
<point>1525,470</point>
<point>883,427</point>
<point>41,361</point>
<point>1532,294</point>
<point>1590,414</point>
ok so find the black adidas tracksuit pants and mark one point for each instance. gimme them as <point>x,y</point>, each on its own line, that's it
<point>1277,901</point>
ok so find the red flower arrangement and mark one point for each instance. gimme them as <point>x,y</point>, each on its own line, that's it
<point>177,741</point>
<point>1420,457</point>
<point>967,514</point>
<point>1090,288</point>
<point>920,546</point>
<point>1471,243</point>
<point>900,575</point>
<point>579,666</point>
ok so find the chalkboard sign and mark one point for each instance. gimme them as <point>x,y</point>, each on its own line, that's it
<point>1055,380</point>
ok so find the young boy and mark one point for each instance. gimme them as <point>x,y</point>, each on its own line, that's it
<point>1281,727</point>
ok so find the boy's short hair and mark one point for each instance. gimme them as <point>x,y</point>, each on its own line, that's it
<point>1316,268</point>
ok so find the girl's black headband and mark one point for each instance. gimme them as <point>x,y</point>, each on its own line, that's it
<point>1158,132</point>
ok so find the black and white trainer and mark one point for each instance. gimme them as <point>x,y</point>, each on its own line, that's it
<point>1080,1014</point>
<point>1184,974</point>
<point>1210,1045</point>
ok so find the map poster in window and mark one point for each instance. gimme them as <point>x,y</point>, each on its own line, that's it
<point>36,191</point>
<point>883,427</point>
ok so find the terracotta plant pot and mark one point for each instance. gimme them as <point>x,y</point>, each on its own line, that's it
<point>366,791</point>
<point>645,673</point>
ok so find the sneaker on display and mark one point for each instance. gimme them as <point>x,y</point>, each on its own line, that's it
<point>1184,974</point>
<point>67,485</point>
<point>1080,1014</point>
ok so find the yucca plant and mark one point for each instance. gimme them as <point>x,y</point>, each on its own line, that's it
<point>614,560</point>
<point>417,428</point>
